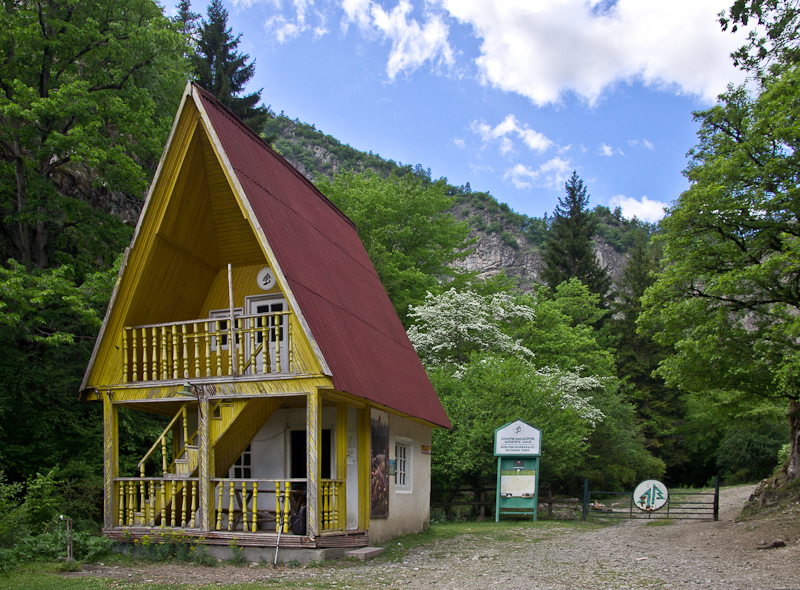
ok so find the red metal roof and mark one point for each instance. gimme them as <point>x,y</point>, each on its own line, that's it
<point>330,275</point>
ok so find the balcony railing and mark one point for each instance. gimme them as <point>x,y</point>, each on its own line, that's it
<point>254,345</point>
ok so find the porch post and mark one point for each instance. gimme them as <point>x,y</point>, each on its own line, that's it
<point>364,463</point>
<point>341,462</point>
<point>313,465</point>
<point>110,456</point>
<point>204,466</point>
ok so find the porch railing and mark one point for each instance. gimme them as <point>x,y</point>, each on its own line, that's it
<point>245,504</point>
<point>156,501</point>
<point>331,513</point>
<point>262,344</point>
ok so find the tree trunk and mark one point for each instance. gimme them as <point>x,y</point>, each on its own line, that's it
<point>794,445</point>
<point>23,229</point>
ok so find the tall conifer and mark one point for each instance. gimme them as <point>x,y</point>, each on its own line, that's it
<point>224,71</point>
<point>569,248</point>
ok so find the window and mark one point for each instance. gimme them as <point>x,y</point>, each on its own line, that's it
<point>223,316</point>
<point>242,468</point>
<point>402,468</point>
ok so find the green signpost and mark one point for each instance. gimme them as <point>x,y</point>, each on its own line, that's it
<point>517,446</point>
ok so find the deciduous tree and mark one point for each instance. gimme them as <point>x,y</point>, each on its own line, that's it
<point>728,298</point>
<point>87,94</point>
<point>406,228</point>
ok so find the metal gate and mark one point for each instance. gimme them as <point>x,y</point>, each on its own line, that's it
<point>681,505</point>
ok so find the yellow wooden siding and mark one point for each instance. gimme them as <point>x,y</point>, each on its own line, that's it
<point>236,240</point>
<point>250,416</point>
<point>107,366</point>
<point>194,227</point>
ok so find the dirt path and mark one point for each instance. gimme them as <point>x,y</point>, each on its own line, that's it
<point>631,554</point>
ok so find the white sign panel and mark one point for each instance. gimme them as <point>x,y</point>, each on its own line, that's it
<point>650,495</point>
<point>517,438</point>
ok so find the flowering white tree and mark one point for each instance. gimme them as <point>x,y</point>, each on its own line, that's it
<point>485,376</point>
<point>449,326</point>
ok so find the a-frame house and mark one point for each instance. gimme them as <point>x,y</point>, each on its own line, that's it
<point>248,312</point>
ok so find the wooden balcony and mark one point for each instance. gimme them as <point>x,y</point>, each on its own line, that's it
<point>251,345</point>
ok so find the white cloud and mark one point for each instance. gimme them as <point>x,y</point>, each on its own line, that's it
<point>552,174</point>
<point>646,210</point>
<point>413,44</point>
<point>546,48</point>
<point>285,29</point>
<point>606,150</point>
<point>459,143</point>
<point>510,126</point>
<point>644,142</point>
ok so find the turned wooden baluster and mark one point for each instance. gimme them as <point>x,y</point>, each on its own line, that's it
<point>185,427</point>
<point>278,512</point>
<point>230,509</point>
<point>184,348</point>
<point>174,351</point>
<point>245,525</point>
<point>196,337</point>
<point>121,503</point>
<point>286,508</point>
<point>219,506</point>
<point>162,339</point>
<point>142,496</point>
<point>125,360</point>
<point>134,355</point>
<point>131,502</point>
<point>152,503</point>
<point>174,504</point>
<point>278,322</point>
<point>289,343</point>
<point>255,506</point>
<point>184,506</point>
<point>326,505</point>
<point>155,372</point>
<point>194,502</point>
<point>163,488</point>
<point>145,362</point>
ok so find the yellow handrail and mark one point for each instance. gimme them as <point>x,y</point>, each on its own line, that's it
<point>162,435</point>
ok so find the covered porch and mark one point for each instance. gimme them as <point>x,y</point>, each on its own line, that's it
<point>251,467</point>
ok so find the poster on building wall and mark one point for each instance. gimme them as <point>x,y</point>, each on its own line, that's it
<point>379,471</point>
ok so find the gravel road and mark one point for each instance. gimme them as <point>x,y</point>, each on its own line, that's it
<point>631,554</point>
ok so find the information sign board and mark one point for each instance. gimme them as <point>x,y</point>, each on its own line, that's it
<point>517,439</point>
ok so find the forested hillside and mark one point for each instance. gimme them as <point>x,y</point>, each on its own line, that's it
<point>668,352</point>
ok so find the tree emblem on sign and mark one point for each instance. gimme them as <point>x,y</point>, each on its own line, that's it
<point>650,495</point>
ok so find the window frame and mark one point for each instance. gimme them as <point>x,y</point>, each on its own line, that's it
<point>404,466</point>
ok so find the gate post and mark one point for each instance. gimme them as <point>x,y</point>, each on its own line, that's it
<point>585,498</point>
<point>716,498</point>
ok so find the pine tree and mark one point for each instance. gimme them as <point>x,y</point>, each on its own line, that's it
<point>224,71</point>
<point>187,20</point>
<point>569,248</point>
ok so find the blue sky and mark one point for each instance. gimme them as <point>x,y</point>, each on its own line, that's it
<point>508,95</point>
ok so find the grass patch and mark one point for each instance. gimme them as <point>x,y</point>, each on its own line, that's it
<point>659,522</point>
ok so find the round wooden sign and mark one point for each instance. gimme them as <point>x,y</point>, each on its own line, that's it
<point>266,279</point>
<point>650,495</point>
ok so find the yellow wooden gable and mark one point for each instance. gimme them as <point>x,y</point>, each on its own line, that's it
<point>195,223</point>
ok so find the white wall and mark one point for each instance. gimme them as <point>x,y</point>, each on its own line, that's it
<point>409,512</point>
